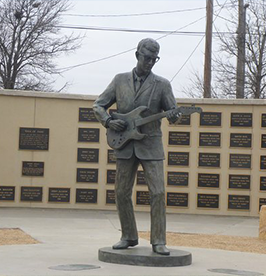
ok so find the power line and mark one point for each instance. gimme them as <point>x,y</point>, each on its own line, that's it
<point>124,52</point>
<point>134,30</point>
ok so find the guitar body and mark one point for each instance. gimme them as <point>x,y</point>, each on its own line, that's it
<point>118,139</point>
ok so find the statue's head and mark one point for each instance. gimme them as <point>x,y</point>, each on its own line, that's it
<point>147,55</point>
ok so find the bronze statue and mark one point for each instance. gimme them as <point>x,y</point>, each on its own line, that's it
<point>144,93</point>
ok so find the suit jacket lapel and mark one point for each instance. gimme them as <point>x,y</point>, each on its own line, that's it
<point>148,82</point>
<point>131,83</point>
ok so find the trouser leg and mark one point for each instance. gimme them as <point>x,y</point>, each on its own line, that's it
<point>154,175</point>
<point>125,176</point>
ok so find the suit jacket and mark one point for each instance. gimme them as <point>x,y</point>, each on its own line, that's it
<point>155,93</point>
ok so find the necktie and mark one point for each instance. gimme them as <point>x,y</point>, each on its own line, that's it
<point>138,84</point>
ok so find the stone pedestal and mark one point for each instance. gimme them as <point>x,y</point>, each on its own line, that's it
<point>262,231</point>
<point>143,256</point>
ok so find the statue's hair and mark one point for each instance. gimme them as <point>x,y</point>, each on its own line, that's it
<point>150,44</point>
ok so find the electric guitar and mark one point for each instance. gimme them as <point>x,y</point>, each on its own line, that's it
<point>119,139</point>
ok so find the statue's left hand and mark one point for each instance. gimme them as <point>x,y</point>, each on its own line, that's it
<point>173,116</point>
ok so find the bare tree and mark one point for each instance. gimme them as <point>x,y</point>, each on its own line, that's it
<point>30,41</point>
<point>224,61</point>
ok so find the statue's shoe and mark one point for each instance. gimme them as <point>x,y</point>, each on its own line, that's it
<point>125,244</point>
<point>160,249</point>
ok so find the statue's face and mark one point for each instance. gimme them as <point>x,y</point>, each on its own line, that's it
<point>146,60</point>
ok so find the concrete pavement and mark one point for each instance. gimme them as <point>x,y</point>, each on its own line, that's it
<point>74,237</point>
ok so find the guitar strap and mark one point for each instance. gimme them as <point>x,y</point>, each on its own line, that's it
<point>151,95</point>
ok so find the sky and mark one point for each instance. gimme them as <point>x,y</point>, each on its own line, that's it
<point>181,54</point>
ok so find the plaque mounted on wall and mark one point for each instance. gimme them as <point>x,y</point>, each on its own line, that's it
<point>88,155</point>
<point>141,178</point>
<point>210,119</point>
<point>31,194</point>
<point>238,202</point>
<point>178,158</point>
<point>209,139</point>
<point>240,161</point>
<point>87,115</point>
<point>87,175</point>
<point>241,119</point>
<point>208,180</point>
<point>142,198</point>
<point>263,141</point>
<point>263,183</point>
<point>7,193</point>
<point>262,201</point>
<point>185,120</point>
<point>263,162</point>
<point>263,120</point>
<point>178,138</point>
<point>33,138</point>
<point>30,168</point>
<point>177,199</point>
<point>177,178</point>
<point>86,195</point>
<point>110,176</point>
<point>208,201</point>
<point>111,158</point>
<point>209,160</point>
<point>239,182</point>
<point>89,135</point>
<point>59,195</point>
<point>110,197</point>
<point>240,140</point>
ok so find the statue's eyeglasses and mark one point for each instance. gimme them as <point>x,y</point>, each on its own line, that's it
<point>149,58</point>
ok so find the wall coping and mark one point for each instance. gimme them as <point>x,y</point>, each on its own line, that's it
<point>53,95</point>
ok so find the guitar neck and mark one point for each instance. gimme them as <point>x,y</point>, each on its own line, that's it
<point>149,119</point>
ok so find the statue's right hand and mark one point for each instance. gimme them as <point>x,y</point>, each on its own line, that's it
<point>117,125</point>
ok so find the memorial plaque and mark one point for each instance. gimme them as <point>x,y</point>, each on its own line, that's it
<point>209,139</point>
<point>209,160</point>
<point>240,161</point>
<point>263,162</point>
<point>110,179</point>
<point>111,158</point>
<point>88,155</point>
<point>241,119</point>
<point>263,183</point>
<point>239,182</point>
<point>262,201</point>
<point>177,178</point>
<point>263,141</point>
<point>143,198</point>
<point>238,202</point>
<point>87,175</point>
<point>185,120</point>
<point>208,180</point>
<point>86,195</point>
<point>240,140</point>
<point>178,158</point>
<point>7,193</point>
<point>110,197</point>
<point>32,168</point>
<point>141,178</point>
<point>59,195</point>
<point>179,138</point>
<point>208,201</point>
<point>87,115</point>
<point>263,120</point>
<point>177,199</point>
<point>33,138</point>
<point>210,118</point>
<point>89,135</point>
<point>31,194</point>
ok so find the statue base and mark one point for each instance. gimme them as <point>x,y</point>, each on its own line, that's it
<point>144,256</point>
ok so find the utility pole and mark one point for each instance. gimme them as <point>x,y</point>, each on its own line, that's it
<point>241,56</point>
<point>208,50</point>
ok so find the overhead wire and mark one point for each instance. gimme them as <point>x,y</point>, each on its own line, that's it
<point>194,50</point>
